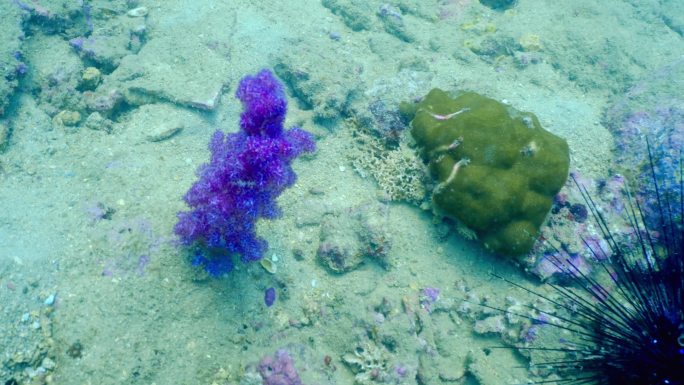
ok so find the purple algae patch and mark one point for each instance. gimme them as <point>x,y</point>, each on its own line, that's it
<point>269,296</point>
<point>428,296</point>
<point>279,369</point>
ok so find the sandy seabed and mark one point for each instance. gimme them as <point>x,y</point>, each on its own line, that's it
<point>94,289</point>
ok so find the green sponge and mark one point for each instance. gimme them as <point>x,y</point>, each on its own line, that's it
<point>497,168</point>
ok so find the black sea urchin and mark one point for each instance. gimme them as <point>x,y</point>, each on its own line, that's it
<point>629,328</point>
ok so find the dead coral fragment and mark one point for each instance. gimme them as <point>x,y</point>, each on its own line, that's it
<point>369,363</point>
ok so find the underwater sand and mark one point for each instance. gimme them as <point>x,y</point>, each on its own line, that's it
<point>93,288</point>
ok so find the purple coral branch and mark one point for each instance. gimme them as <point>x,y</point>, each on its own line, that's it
<point>247,171</point>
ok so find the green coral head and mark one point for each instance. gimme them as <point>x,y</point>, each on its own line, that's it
<point>497,170</point>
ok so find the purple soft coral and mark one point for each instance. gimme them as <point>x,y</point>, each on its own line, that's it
<point>247,171</point>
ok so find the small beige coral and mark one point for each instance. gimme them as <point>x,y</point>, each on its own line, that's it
<point>398,172</point>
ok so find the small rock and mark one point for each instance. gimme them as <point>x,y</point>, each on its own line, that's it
<point>486,370</point>
<point>206,104</point>
<point>138,38</point>
<point>394,24</point>
<point>67,118</point>
<point>145,77</point>
<point>312,216</point>
<point>4,136</point>
<point>337,255</point>
<point>494,324</point>
<point>298,254</point>
<point>91,78</point>
<point>316,191</point>
<point>348,238</point>
<point>530,42</point>
<point>159,121</point>
<point>50,300</point>
<point>97,122</point>
<point>137,12</point>
<point>139,30</point>
<point>18,358</point>
<point>268,265</point>
<point>103,102</point>
<point>164,131</point>
<point>48,363</point>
